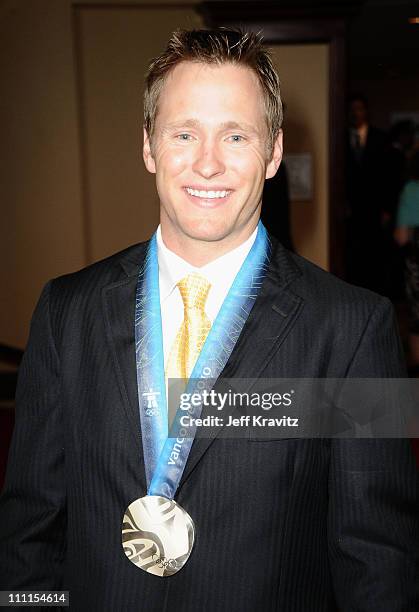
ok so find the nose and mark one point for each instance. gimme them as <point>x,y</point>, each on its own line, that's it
<point>209,161</point>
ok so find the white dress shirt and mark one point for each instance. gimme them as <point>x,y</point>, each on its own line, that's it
<point>220,273</point>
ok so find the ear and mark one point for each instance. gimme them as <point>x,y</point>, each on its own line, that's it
<point>147,154</point>
<point>275,161</point>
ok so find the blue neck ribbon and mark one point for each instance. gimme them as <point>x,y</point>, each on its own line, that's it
<point>165,457</point>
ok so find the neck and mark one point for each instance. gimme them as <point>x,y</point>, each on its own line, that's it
<point>199,253</point>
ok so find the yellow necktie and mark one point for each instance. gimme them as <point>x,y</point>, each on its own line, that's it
<point>194,329</point>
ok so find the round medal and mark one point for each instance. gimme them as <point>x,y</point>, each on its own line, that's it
<point>157,535</point>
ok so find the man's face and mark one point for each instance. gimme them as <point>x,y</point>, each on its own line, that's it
<point>358,113</point>
<point>209,153</point>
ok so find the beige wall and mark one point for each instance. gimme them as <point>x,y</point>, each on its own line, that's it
<point>74,188</point>
<point>303,70</point>
<point>42,224</point>
<point>53,221</point>
<point>115,47</point>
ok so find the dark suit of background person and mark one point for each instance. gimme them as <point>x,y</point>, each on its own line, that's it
<point>283,524</point>
<point>366,190</point>
<point>275,213</point>
<point>366,181</point>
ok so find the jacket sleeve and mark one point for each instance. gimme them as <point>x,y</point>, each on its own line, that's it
<point>373,522</point>
<point>33,501</point>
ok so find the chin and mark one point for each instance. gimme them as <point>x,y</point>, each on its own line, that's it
<point>207,231</point>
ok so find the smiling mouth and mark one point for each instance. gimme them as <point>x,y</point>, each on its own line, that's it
<point>208,195</point>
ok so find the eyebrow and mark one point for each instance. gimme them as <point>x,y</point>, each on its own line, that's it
<point>226,125</point>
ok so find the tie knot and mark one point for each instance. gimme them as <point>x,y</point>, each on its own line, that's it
<point>194,290</point>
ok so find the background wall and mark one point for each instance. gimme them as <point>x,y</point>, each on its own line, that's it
<point>304,74</point>
<point>120,198</point>
<point>388,95</point>
<point>73,184</point>
<point>383,48</point>
<point>41,233</point>
<point>74,188</point>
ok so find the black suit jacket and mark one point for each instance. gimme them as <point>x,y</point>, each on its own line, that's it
<point>367,181</point>
<point>286,525</point>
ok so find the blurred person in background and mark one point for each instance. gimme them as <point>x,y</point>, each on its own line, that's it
<point>402,135</point>
<point>366,192</point>
<point>401,139</point>
<point>407,236</point>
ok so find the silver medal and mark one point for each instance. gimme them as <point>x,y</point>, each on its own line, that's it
<point>157,535</point>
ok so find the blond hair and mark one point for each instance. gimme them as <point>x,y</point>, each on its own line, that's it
<point>218,46</point>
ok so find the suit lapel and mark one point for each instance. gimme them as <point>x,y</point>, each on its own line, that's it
<point>274,313</point>
<point>118,303</point>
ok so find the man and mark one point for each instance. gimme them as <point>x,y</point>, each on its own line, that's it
<point>278,524</point>
<point>367,188</point>
<point>401,142</point>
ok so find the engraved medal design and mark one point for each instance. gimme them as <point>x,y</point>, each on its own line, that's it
<point>157,535</point>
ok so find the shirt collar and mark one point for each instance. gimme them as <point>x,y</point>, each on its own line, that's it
<point>220,272</point>
<point>172,268</point>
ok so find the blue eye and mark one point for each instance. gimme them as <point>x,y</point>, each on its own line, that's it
<point>237,138</point>
<point>183,136</point>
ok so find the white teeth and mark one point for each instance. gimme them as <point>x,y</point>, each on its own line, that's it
<point>207,194</point>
